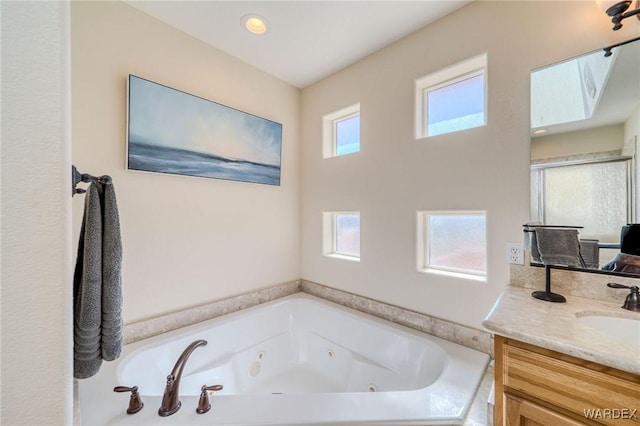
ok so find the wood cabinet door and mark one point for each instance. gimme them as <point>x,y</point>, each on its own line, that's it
<point>520,412</point>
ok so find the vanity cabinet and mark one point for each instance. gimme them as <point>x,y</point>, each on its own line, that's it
<point>537,386</point>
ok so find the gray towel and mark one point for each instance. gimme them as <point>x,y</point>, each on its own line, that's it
<point>558,246</point>
<point>87,290</point>
<point>97,297</point>
<point>535,254</point>
<point>111,285</point>
<point>590,252</point>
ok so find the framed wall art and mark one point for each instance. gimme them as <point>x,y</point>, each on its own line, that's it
<point>170,131</point>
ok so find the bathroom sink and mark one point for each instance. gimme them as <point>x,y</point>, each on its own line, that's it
<point>625,329</point>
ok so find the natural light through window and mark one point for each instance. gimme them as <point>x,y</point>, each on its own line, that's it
<point>347,135</point>
<point>342,235</point>
<point>456,106</point>
<point>452,99</point>
<point>341,132</point>
<point>453,243</point>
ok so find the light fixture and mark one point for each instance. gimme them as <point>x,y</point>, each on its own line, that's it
<point>539,131</point>
<point>618,10</point>
<point>255,24</point>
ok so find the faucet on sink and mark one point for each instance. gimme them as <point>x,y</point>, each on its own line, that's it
<point>632,302</point>
<point>171,399</point>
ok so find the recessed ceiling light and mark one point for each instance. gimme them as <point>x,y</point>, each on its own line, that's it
<point>255,24</point>
<point>539,131</point>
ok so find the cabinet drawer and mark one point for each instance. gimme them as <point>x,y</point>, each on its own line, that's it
<point>573,387</point>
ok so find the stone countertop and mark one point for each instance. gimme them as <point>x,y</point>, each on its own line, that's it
<point>554,326</point>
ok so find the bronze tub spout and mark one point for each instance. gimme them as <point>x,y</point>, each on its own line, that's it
<point>171,399</point>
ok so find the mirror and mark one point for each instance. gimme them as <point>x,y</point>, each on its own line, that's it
<point>585,122</point>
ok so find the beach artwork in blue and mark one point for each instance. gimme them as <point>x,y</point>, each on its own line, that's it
<point>175,132</point>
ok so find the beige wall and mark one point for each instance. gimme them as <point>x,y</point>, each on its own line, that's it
<point>632,125</point>
<point>186,241</point>
<point>479,169</point>
<point>600,139</point>
<point>36,215</point>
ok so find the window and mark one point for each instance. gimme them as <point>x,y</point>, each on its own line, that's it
<point>347,134</point>
<point>342,235</point>
<point>453,243</point>
<point>452,99</point>
<point>594,193</point>
<point>341,132</point>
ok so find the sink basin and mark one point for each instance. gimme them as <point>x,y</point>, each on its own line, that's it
<point>625,329</point>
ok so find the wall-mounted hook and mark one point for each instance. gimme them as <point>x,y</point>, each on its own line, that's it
<point>77,177</point>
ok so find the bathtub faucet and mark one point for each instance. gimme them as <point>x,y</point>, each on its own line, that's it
<point>171,399</point>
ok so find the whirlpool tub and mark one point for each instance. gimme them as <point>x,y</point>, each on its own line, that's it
<point>298,360</point>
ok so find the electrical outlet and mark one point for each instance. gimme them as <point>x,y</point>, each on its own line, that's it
<point>515,253</point>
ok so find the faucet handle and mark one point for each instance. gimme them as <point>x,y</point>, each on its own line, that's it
<point>616,285</point>
<point>632,302</point>
<point>135,402</point>
<point>203,404</point>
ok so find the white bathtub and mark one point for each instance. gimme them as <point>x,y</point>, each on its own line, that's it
<point>298,360</point>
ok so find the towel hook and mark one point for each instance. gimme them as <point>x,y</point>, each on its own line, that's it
<point>77,177</point>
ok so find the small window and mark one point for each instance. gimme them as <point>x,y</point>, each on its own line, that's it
<point>453,243</point>
<point>341,132</point>
<point>347,134</point>
<point>342,235</point>
<point>452,99</point>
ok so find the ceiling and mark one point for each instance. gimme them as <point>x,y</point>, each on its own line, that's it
<point>306,40</point>
<point>620,95</point>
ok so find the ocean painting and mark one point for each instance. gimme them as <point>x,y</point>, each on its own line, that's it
<point>170,131</point>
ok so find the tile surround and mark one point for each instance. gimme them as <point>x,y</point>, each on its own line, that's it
<point>466,336</point>
<point>573,283</point>
<point>162,324</point>
<point>481,411</point>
